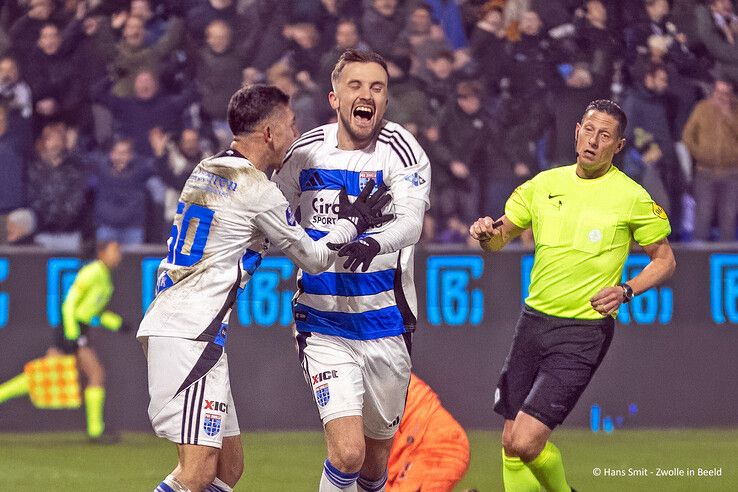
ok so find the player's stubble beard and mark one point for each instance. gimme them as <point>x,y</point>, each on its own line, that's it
<point>344,123</point>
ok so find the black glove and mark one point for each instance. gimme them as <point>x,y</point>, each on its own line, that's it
<point>358,252</point>
<point>366,211</point>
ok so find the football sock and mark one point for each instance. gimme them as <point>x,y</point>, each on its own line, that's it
<point>94,403</point>
<point>171,484</point>
<point>366,485</point>
<point>334,480</point>
<point>218,485</point>
<point>549,469</point>
<point>516,476</point>
<point>18,386</point>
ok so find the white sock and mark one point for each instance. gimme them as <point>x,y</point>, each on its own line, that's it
<point>218,485</point>
<point>171,484</point>
<point>334,480</point>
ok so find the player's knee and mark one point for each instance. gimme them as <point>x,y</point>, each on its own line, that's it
<point>524,447</point>
<point>348,457</point>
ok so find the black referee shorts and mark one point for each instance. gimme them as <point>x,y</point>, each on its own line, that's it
<point>550,363</point>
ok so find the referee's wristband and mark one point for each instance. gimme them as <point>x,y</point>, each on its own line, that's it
<point>628,293</point>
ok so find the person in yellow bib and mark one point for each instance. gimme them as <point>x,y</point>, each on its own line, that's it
<point>83,307</point>
<point>584,218</point>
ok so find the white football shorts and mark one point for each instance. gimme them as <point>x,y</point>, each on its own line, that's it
<point>358,377</point>
<point>191,401</point>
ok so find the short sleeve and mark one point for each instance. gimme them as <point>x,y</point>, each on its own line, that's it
<point>648,221</point>
<point>519,205</point>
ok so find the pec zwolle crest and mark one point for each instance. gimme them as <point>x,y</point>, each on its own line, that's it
<point>365,176</point>
<point>322,395</point>
<point>211,424</point>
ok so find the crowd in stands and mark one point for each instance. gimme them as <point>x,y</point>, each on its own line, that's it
<point>107,105</point>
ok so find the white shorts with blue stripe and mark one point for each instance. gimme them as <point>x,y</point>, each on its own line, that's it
<point>368,378</point>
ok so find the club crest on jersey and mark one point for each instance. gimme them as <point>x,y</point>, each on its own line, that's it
<point>211,424</point>
<point>415,179</point>
<point>290,217</point>
<point>365,176</point>
<point>322,395</point>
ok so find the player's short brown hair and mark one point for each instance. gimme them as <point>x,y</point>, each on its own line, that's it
<point>356,56</point>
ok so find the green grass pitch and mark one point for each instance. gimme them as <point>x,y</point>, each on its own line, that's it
<point>292,461</point>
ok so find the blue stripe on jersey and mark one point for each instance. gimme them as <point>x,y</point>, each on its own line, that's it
<point>164,487</point>
<point>348,284</point>
<point>335,179</point>
<point>385,322</point>
<point>251,261</point>
<point>317,235</point>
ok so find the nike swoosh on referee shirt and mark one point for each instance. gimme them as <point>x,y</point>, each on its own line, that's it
<point>554,196</point>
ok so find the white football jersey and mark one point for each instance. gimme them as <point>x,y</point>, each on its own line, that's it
<point>227,216</point>
<point>362,305</point>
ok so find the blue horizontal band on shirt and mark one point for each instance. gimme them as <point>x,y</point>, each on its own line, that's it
<point>251,261</point>
<point>348,284</point>
<point>317,235</point>
<point>385,322</point>
<point>335,179</point>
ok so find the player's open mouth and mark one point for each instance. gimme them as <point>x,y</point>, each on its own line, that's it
<point>363,115</point>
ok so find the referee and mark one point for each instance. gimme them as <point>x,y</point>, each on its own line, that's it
<point>584,217</point>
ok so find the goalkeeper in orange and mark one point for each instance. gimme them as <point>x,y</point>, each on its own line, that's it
<point>430,452</point>
<point>51,381</point>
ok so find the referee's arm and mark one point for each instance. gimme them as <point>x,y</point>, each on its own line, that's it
<point>492,235</point>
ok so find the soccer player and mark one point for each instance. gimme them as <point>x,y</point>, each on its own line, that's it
<point>228,214</point>
<point>430,451</point>
<point>584,217</point>
<point>84,306</point>
<point>354,328</point>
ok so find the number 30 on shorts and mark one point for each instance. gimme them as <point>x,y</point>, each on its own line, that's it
<point>195,216</point>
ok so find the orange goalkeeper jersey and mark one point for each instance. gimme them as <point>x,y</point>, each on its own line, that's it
<point>431,450</point>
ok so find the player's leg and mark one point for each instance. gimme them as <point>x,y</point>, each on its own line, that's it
<point>386,372</point>
<point>333,373</point>
<point>516,381</point>
<point>230,462</point>
<point>94,393</point>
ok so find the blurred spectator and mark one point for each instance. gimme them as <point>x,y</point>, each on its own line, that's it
<point>14,92</point>
<point>409,105</point>
<point>218,76</point>
<point>711,135</point>
<point>422,37</point>
<point>448,16</point>
<point>57,191</point>
<point>346,37</point>
<point>488,41</point>
<point>465,130</point>
<point>717,28</point>
<point>175,161</point>
<point>12,170</point>
<point>439,83</point>
<point>131,55</point>
<point>52,75</point>
<point>597,45</point>
<point>381,26</point>
<point>303,96</point>
<point>16,228</point>
<point>136,116</point>
<point>650,156</point>
<point>305,49</point>
<point>200,16</point>
<point>154,25</point>
<point>25,31</point>
<point>120,193</point>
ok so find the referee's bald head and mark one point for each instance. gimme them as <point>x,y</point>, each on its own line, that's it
<point>609,107</point>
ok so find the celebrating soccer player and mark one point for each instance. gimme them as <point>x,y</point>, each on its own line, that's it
<point>583,217</point>
<point>353,327</point>
<point>228,214</point>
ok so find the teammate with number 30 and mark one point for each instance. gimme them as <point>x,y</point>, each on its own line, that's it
<point>228,215</point>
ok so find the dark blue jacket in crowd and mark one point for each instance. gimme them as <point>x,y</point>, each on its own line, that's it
<point>11,176</point>
<point>120,198</point>
<point>648,111</point>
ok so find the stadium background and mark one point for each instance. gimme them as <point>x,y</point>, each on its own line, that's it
<point>526,69</point>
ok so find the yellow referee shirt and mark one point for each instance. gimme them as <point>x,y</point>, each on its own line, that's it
<point>582,229</point>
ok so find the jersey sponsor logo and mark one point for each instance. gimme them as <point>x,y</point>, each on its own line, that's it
<point>658,211</point>
<point>290,217</point>
<point>365,176</point>
<point>415,179</point>
<point>211,424</point>
<point>217,406</point>
<point>324,376</point>
<point>326,213</point>
<point>322,395</point>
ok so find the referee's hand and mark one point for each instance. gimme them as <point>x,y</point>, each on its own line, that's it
<point>484,229</point>
<point>608,300</point>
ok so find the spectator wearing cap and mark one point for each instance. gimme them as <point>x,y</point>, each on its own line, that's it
<point>711,135</point>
